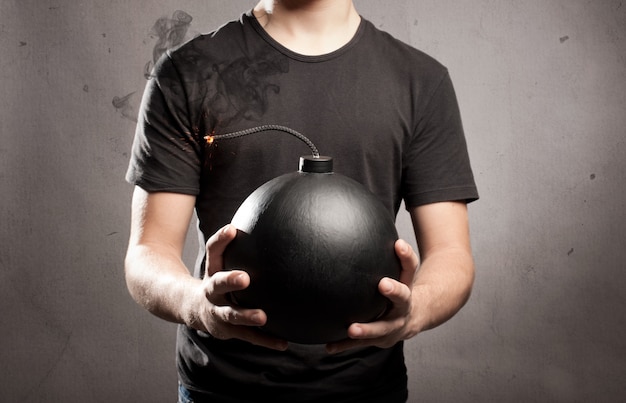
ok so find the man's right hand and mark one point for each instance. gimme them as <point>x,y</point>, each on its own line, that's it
<point>216,315</point>
<point>158,279</point>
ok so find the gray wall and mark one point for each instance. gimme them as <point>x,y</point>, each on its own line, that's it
<point>542,86</point>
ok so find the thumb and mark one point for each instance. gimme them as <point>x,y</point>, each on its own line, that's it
<point>408,260</point>
<point>215,247</point>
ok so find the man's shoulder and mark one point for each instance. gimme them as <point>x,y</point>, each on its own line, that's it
<point>399,51</point>
<point>222,40</point>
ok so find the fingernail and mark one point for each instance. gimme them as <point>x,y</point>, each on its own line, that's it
<point>256,318</point>
<point>386,286</point>
<point>237,280</point>
<point>405,247</point>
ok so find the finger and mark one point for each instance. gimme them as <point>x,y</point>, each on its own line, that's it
<point>365,334</point>
<point>398,293</point>
<point>239,316</point>
<point>259,338</point>
<point>223,282</point>
<point>408,260</point>
<point>344,345</point>
<point>358,336</point>
<point>215,247</point>
<point>373,330</point>
<point>243,325</point>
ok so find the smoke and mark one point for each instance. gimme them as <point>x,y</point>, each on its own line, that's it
<point>169,33</point>
<point>239,89</point>
<point>123,106</point>
<point>230,90</point>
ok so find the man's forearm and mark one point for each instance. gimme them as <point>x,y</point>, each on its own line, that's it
<point>161,283</point>
<point>442,286</point>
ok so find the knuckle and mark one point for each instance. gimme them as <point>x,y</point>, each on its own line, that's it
<point>217,333</point>
<point>232,316</point>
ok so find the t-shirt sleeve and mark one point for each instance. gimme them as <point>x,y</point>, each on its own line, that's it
<point>166,151</point>
<point>436,164</point>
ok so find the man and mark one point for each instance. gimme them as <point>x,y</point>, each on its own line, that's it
<point>388,115</point>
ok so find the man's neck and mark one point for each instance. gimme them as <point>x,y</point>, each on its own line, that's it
<point>310,27</point>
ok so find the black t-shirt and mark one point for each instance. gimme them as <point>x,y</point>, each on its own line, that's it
<point>387,114</point>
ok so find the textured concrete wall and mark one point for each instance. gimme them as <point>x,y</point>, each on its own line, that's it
<point>542,87</point>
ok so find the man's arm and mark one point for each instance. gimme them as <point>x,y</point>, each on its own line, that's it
<point>444,280</point>
<point>427,296</point>
<point>159,281</point>
<point>156,276</point>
